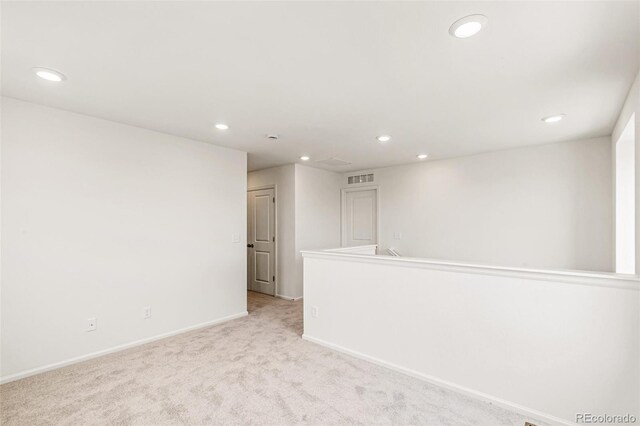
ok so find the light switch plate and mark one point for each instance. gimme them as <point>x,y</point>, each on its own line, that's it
<point>235,237</point>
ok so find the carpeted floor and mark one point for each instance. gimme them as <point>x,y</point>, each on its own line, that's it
<point>253,370</point>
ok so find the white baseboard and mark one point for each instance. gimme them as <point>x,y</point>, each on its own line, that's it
<point>525,411</point>
<point>103,352</point>
<point>288,298</point>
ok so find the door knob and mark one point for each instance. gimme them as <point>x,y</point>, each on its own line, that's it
<point>250,245</point>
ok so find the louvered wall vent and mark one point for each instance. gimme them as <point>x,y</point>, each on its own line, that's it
<point>360,179</point>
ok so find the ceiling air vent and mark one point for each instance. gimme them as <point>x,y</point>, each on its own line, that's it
<point>334,162</point>
<point>360,179</point>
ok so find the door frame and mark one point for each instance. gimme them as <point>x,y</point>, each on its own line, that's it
<point>343,211</point>
<point>275,232</point>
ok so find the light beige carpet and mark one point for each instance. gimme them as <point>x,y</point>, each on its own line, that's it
<point>253,370</point>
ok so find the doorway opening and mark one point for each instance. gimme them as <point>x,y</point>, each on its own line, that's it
<point>625,200</point>
<point>359,216</point>
<point>261,240</point>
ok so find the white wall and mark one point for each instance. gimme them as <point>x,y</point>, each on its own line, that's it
<point>631,108</point>
<point>1,112</point>
<point>546,206</point>
<point>317,212</point>
<point>544,343</point>
<point>283,178</point>
<point>100,219</point>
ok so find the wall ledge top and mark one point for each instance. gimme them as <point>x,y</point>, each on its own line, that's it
<point>601,279</point>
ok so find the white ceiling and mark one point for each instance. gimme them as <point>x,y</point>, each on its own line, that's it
<point>328,77</point>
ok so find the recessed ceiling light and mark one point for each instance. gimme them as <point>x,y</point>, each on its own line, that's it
<point>422,156</point>
<point>273,137</point>
<point>468,26</point>
<point>49,74</point>
<point>305,158</point>
<point>221,126</point>
<point>384,138</point>
<point>553,118</point>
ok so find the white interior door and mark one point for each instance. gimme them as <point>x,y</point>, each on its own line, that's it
<point>261,241</point>
<point>360,217</point>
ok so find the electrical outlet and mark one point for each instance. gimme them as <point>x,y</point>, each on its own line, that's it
<point>146,312</point>
<point>314,312</point>
<point>92,324</point>
<point>397,235</point>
